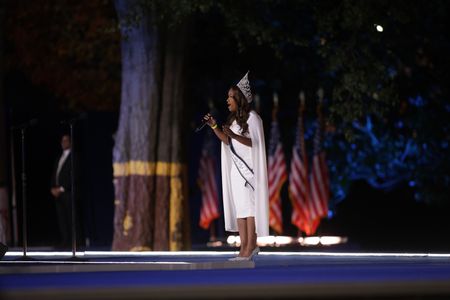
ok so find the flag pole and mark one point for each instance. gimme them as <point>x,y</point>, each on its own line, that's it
<point>257,103</point>
<point>212,225</point>
<point>275,106</point>
<point>275,213</point>
<point>274,119</point>
<point>301,110</point>
<point>320,104</point>
<point>212,232</point>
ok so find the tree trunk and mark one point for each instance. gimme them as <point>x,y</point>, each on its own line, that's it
<point>149,169</point>
<point>171,192</point>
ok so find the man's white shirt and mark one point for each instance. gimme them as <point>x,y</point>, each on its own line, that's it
<point>62,159</point>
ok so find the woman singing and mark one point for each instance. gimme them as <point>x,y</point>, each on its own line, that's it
<point>244,170</point>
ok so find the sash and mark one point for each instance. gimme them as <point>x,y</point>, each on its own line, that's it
<point>244,170</point>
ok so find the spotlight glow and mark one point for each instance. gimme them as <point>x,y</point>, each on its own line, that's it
<point>276,241</point>
<point>231,240</point>
<point>234,240</point>
<point>379,28</point>
<point>331,240</point>
<point>283,240</point>
<point>311,241</point>
<point>266,240</point>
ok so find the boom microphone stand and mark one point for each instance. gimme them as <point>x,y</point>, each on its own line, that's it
<point>22,128</point>
<point>24,195</point>
<point>72,190</point>
<point>71,124</point>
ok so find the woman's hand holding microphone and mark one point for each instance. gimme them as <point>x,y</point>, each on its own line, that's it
<point>223,134</point>
<point>210,121</point>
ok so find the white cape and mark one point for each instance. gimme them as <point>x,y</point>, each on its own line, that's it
<point>256,130</point>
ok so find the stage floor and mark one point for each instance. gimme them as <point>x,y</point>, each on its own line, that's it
<point>208,274</point>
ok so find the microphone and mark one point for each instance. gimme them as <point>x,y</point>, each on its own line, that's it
<point>74,119</point>
<point>200,127</point>
<point>29,123</point>
<point>204,122</point>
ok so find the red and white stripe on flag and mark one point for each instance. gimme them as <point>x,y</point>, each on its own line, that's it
<point>207,180</point>
<point>320,186</point>
<point>277,175</point>
<point>320,181</point>
<point>299,189</point>
<point>299,192</point>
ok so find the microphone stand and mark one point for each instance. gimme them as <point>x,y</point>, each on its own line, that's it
<point>71,124</point>
<point>14,193</point>
<point>24,196</point>
<point>23,128</point>
<point>72,191</point>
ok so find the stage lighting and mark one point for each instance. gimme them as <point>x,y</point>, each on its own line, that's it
<point>231,239</point>
<point>277,241</point>
<point>283,240</point>
<point>266,241</point>
<point>330,240</point>
<point>311,241</point>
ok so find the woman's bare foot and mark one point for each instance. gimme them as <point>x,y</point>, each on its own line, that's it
<point>247,251</point>
<point>242,251</point>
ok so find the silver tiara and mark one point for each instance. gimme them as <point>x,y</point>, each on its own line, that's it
<point>244,86</point>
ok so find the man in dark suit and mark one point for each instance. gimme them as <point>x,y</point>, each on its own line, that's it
<point>61,189</point>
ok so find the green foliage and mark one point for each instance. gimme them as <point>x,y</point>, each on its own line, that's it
<point>352,51</point>
<point>341,35</point>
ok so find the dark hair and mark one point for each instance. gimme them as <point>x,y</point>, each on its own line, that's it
<point>243,110</point>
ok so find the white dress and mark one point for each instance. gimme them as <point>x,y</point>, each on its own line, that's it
<point>243,196</point>
<point>241,200</point>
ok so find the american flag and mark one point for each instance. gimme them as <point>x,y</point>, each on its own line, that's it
<point>277,176</point>
<point>208,184</point>
<point>320,181</point>
<point>299,183</point>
